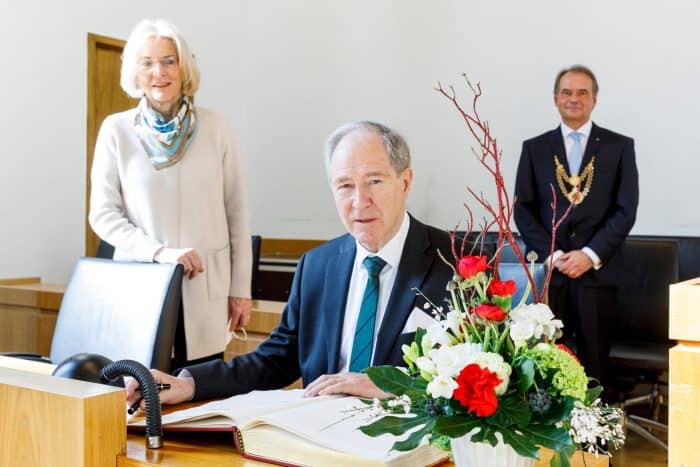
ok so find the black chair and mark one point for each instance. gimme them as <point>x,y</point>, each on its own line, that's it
<point>256,242</point>
<point>510,268</point>
<point>639,340</point>
<point>105,250</point>
<point>122,310</point>
<point>516,272</point>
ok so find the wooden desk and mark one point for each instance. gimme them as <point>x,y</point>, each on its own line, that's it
<point>216,449</point>
<point>29,309</point>
<point>684,377</point>
<point>212,448</point>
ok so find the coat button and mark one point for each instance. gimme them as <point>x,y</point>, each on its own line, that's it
<point>572,234</point>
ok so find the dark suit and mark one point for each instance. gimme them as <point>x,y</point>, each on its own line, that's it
<point>601,222</point>
<point>307,341</point>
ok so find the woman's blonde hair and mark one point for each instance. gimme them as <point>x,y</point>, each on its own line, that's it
<point>137,39</point>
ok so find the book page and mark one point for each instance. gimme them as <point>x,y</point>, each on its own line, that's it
<point>238,409</point>
<point>330,423</point>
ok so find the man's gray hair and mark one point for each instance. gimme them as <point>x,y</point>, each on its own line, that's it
<point>396,147</point>
<point>576,69</point>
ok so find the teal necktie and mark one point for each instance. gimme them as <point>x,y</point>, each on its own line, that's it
<point>575,153</point>
<point>364,331</point>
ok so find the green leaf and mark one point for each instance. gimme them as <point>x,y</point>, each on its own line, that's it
<point>394,425</point>
<point>392,380</point>
<point>512,410</point>
<point>548,436</point>
<point>414,439</point>
<point>420,332</point>
<point>503,302</point>
<point>457,425</point>
<point>526,370</point>
<point>559,411</point>
<point>487,434</point>
<point>520,443</point>
<point>592,394</point>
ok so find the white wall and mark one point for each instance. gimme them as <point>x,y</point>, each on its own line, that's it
<point>288,72</point>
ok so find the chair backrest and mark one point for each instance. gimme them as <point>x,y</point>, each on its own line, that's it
<point>650,266</point>
<point>122,310</point>
<point>516,272</point>
<point>104,250</point>
<point>508,254</point>
<point>256,242</point>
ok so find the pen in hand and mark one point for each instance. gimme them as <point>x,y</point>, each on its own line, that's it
<point>135,406</point>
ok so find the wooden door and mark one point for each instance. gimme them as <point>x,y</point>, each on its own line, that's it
<point>104,96</point>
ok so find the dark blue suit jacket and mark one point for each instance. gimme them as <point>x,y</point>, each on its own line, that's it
<point>601,221</point>
<point>307,341</point>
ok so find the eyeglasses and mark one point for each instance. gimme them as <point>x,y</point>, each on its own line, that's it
<point>147,64</point>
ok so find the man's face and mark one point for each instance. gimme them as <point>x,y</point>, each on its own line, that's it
<point>575,99</point>
<point>369,195</point>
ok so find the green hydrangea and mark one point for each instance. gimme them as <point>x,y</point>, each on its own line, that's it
<point>569,378</point>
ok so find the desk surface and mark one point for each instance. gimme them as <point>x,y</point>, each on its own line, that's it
<point>208,448</point>
<point>184,449</point>
<point>216,449</point>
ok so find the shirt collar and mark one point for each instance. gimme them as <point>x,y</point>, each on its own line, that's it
<point>585,129</point>
<point>391,252</point>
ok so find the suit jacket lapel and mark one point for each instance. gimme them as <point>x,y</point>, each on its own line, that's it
<point>591,146</point>
<point>416,259</point>
<point>556,141</point>
<point>335,294</point>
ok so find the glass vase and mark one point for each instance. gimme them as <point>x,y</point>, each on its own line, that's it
<point>467,453</point>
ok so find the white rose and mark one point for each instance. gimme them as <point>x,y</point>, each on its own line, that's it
<point>520,313</point>
<point>441,387</point>
<point>496,364</point>
<point>521,332</point>
<point>450,360</point>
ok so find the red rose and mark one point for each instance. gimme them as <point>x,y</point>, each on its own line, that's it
<point>501,288</point>
<point>476,390</point>
<point>568,350</point>
<point>490,312</point>
<point>470,266</point>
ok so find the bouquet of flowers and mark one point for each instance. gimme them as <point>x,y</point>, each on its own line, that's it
<point>487,367</point>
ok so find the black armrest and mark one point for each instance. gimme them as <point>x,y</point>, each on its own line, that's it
<point>26,356</point>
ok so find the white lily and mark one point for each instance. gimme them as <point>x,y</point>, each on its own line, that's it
<point>441,386</point>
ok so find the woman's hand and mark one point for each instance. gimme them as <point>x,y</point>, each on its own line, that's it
<point>239,312</point>
<point>188,257</point>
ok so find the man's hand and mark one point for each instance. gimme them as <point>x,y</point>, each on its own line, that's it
<point>239,312</point>
<point>181,389</point>
<point>188,257</point>
<point>574,264</point>
<point>351,384</point>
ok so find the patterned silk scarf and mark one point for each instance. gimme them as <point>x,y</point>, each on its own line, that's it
<point>165,142</point>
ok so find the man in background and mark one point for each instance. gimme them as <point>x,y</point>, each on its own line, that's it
<point>595,169</point>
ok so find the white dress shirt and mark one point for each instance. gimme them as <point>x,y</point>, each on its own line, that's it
<point>585,131</point>
<point>391,253</point>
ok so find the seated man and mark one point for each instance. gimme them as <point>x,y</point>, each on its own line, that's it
<point>351,298</point>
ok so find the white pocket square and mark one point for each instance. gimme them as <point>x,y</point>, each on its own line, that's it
<point>417,319</point>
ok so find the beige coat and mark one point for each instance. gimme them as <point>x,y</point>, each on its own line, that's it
<point>200,202</point>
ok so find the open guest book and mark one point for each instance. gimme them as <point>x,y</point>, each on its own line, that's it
<point>284,428</point>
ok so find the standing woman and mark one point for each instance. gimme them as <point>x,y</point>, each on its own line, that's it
<point>168,186</point>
